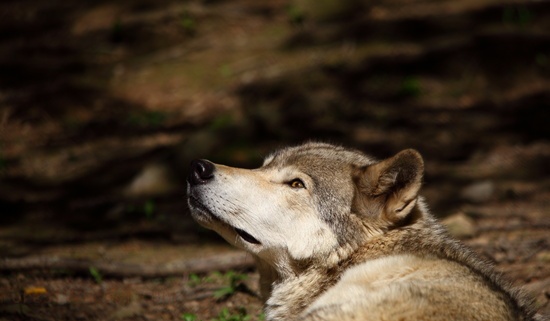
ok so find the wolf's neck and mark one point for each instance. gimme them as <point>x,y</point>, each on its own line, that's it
<point>290,286</point>
<point>290,296</point>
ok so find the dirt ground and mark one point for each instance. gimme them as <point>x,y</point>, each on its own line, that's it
<point>103,104</point>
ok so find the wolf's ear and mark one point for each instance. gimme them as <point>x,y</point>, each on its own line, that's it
<point>395,182</point>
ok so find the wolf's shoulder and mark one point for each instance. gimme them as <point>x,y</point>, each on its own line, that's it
<point>407,287</point>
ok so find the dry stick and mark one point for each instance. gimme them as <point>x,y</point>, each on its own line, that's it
<point>226,261</point>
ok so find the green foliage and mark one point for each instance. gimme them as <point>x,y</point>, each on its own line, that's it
<point>295,14</point>
<point>233,280</point>
<point>226,71</point>
<point>96,274</point>
<point>188,317</point>
<point>224,292</point>
<point>520,16</point>
<point>147,119</point>
<point>188,23</point>
<point>410,87</point>
<point>225,315</point>
<point>149,209</point>
<point>194,280</point>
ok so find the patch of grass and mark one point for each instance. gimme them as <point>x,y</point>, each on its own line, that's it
<point>234,283</point>
<point>214,277</point>
<point>188,23</point>
<point>149,209</point>
<point>194,280</point>
<point>98,278</point>
<point>189,317</point>
<point>239,315</point>
<point>410,87</point>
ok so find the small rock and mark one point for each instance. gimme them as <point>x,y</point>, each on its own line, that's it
<point>128,311</point>
<point>544,256</point>
<point>479,192</point>
<point>460,225</point>
<point>61,299</point>
<point>154,179</point>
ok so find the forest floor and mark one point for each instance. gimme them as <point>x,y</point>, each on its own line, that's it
<point>103,105</point>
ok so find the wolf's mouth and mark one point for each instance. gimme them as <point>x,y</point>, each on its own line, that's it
<point>244,235</point>
<point>247,237</point>
<point>195,203</point>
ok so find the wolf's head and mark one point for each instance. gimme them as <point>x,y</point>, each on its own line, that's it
<point>305,202</point>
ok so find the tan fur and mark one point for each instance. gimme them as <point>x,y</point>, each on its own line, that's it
<point>355,243</point>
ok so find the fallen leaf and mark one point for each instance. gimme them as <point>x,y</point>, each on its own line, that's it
<point>35,290</point>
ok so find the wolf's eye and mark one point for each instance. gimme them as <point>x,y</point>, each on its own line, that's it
<point>296,183</point>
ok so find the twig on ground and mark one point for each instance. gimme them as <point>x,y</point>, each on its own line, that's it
<point>226,261</point>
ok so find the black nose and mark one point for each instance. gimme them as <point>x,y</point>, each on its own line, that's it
<point>201,172</point>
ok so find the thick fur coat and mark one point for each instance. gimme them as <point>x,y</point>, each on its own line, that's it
<point>338,235</point>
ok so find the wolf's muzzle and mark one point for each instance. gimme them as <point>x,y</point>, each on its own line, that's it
<point>201,172</point>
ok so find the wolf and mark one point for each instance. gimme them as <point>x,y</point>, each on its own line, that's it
<point>339,235</point>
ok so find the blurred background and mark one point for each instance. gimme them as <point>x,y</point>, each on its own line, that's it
<point>103,104</point>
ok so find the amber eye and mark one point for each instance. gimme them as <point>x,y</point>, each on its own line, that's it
<point>296,183</point>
